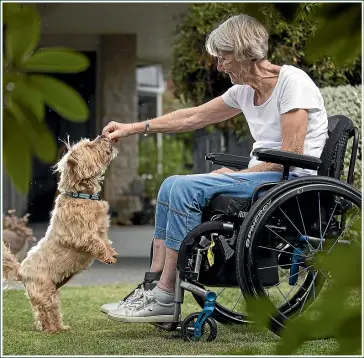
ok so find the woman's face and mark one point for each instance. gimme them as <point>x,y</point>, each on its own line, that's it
<point>236,70</point>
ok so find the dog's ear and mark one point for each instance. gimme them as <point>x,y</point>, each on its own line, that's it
<point>71,160</point>
<point>81,165</point>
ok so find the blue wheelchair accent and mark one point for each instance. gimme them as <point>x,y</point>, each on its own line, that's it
<point>209,307</point>
<point>297,257</point>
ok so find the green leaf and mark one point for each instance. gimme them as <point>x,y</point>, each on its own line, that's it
<point>57,60</point>
<point>261,310</point>
<point>10,10</point>
<point>15,111</point>
<point>29,97</point>
<point>22,34</point>
<point>16,153</point>
<point>38,134</point>
<point>61,97</point>
<point>338,34</point>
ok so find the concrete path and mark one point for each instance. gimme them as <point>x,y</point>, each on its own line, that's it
<point>128,241</point>
<point>133,245</point>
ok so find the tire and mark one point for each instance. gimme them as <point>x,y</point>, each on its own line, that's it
<point>254,231</point>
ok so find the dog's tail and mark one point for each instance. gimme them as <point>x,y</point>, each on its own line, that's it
<point>11,266</point>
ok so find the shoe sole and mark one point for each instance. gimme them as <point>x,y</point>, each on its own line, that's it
<point>149,319</point>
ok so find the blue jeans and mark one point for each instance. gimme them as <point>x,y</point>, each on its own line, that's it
<point>181,199</point>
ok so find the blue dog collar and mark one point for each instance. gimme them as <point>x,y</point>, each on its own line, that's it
<point>83,195</point>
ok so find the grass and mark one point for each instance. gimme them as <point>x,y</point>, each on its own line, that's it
<point>93,333</point>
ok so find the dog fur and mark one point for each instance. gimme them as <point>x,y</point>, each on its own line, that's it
<point>76,236</point>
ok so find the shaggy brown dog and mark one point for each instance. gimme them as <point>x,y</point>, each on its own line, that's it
<point>76,236</point>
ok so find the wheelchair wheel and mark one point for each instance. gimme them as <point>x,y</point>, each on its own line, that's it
<point>208,329</point>
<point>283,234</point>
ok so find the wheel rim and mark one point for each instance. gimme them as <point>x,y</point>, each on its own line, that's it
<point>208,329</point>
<point>312,281</point>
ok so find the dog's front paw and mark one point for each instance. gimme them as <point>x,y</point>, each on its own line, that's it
<point>108,260</point>
<point>112,252</point>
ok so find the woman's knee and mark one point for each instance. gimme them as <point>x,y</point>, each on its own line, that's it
<point>165,187</point>
<point>183,190</point>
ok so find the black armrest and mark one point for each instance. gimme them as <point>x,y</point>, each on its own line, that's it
<point>228,160</point>
<point>287,158</point>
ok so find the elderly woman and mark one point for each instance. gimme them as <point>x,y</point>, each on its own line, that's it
<point>284,110</point>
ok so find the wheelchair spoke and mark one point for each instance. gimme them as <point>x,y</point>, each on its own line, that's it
<point>319,211</point>
<point>303,224</point>
<point>328,224</point>
<point>294,285</point>
<point>267,267</point>
<point>220,292</point>
<point>268,227</point>
<point>290,221</point>
<point>285,298</point>
<point>327,279</point>
<point>343,231</point>
<point>288,277</point>
<point>290,253</point>
<point>237,301</point>
<point>308,292</point>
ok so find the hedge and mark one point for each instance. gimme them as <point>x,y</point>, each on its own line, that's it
<point>347,100</point>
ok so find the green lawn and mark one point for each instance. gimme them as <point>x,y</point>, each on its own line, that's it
<point>93,334</point>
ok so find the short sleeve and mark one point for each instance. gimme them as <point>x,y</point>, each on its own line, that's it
<point>230,97</point>
<point>300,92</point>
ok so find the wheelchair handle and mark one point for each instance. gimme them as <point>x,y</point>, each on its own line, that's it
<point>228,160</point>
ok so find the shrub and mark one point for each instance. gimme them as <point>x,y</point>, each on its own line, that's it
<point>177,159</point>
<point>194,71</point>
<point>346,100</point>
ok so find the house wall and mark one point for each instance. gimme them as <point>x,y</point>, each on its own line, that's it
<point>119,103</point>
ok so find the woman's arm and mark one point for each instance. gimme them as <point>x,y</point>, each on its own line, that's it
<point>294,130</point>
<point>182,120</point>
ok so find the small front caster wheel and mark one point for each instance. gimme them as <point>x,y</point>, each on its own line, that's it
<point>208,329</point>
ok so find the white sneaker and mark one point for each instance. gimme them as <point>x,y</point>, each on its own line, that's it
<point>145,309</point>
<point>107,307</point>
<point>148,283</point>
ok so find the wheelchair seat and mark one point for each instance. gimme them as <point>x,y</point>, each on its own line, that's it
<point>229,205</point>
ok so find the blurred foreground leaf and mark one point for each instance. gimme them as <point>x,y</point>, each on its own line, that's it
<point>16,152</point>
<point>59,60</point>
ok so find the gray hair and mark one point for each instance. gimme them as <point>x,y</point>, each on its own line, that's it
<point>242,35</point>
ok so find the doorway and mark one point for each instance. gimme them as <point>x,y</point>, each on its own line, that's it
<point>44,182</point>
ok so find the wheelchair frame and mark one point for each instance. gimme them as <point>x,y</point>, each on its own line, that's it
<point>192,326</point>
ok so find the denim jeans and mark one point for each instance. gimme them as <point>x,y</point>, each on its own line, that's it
<point>181,199</point>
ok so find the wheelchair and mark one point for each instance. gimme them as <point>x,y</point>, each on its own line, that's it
<point>263,247</point>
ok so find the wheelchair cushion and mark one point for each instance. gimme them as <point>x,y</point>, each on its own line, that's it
<point>230,205</point>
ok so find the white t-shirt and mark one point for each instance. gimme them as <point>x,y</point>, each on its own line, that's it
<point>294,90</point>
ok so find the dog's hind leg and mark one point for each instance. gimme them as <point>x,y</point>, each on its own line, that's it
<point>44,304</point>
<point>56,313</point>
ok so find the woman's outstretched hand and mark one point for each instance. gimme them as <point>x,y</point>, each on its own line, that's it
<point>114,131</point>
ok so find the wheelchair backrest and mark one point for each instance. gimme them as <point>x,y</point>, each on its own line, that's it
<point>340,130</point>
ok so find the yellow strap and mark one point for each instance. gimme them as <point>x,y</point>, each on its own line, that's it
<point>210,254</point>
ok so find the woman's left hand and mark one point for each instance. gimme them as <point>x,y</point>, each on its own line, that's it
<point>222,170</point>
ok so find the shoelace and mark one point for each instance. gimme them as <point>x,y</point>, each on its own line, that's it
<point>145,298</point>
<point>135,295</point>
